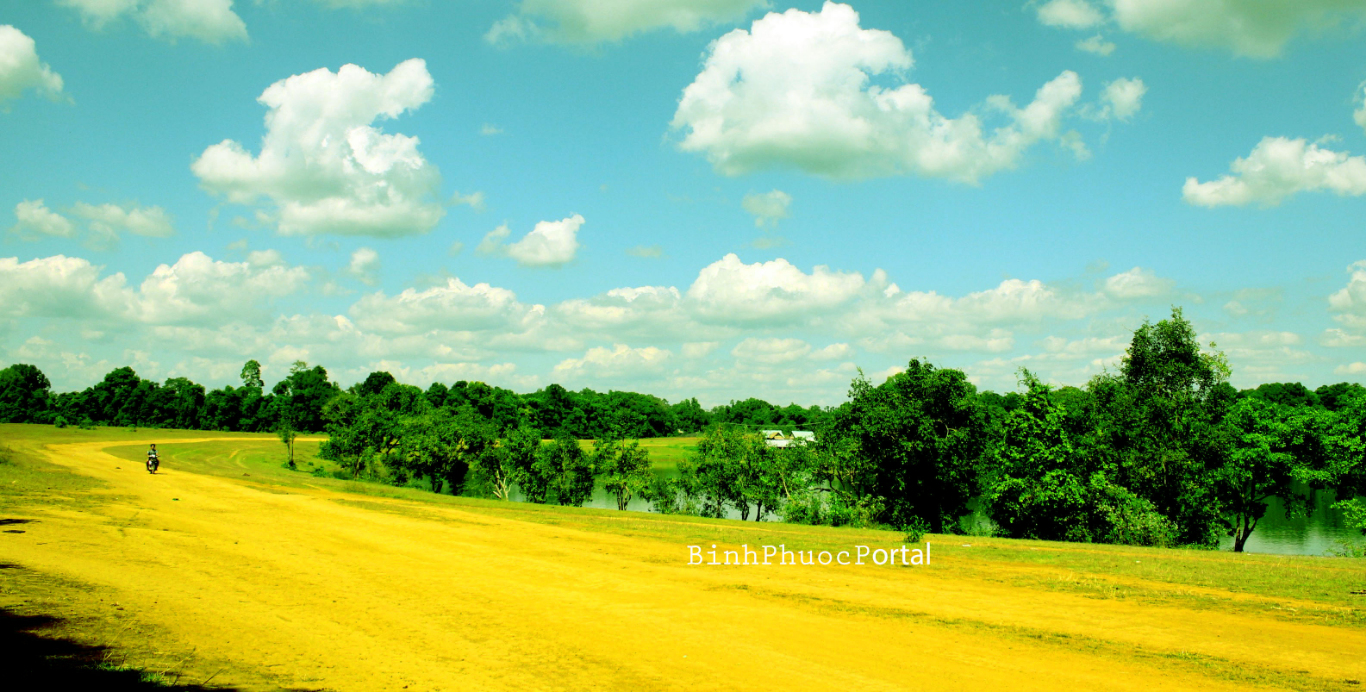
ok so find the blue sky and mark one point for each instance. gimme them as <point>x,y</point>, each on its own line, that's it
<point>711,198</point>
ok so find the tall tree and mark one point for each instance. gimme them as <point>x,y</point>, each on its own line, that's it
<point>923,434</point>
<point>1259,464</point>
<point>624,467</point>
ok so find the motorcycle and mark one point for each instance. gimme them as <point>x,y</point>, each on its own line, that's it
<point>152,464</point>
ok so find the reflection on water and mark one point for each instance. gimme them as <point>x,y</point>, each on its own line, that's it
<point>1319,533</point>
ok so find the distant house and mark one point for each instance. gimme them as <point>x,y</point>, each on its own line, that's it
<point>776,438</point>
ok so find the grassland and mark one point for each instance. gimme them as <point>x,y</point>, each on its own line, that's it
<point>229,568</point>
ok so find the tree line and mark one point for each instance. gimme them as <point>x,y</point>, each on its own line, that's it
<point>1160,451</point>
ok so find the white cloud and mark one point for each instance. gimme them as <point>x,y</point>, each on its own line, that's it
<point>1357,368</point>
<point>489,130</point>
<point>364,265</point>
<point>1253,29</point>
<point>1096,45</point>
<point>1070,14</point>
<point>797,91</point>
<point>595,21</point>
<point>62,287</point>
<point>833,352</point>
<point>20,68</point>
<point>1123,98</point>
<point>109,219</point>
<point>699,349</point>
<point>732,292</point>
<point>549,244</point>
<point>475,200</point>
<point>767,208</point>
<point>325,166</point>
<point>36,220</point>
<point>1137,283</point>
<point>1279,168</point>
<point>492,243</point>
<point>646,251</point>
<point>1350,302</point>
<point>771,351</point>
<point>200,290</point>
<point>210,21</point>
<point>1341,338</point>
<point>1359,115</point>
<point>453,306</point>
<point>617,362</point>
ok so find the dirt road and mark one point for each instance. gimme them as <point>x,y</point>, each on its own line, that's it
<point>325,590</point>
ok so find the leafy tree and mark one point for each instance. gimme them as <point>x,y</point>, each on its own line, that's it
<point>513,457</point>
<point>442,446</point>
<point>285,430</point>
<point>1260,464</point>
<point>624,467</point>
<point>532,477</point>
<point>1156,421</point>
<point>302,395</point>
<point>251,375</point>
<point>1291,394</point>
<point>1336,396</point>
<point>909,447</point>
<point>568,470</point>
<point>24,394</point>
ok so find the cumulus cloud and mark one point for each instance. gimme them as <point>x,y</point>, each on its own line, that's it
<point>775,292</point>
<point>797,91</point>
<point>323,164</point>
<point>210,21</point>
<point>1252,29</point>
<point>617,362</point>
<point>549,244</point>
<point>62,287</point>
<point>1070,14</point>
<point>364,265</point>
<point>1350,302</point>
<point>596,21</point>
<point>20,69</point>
<point>1357,368</point>
<point>1137,283</point>
<point>35,220</point>
<point>200,290</point>
<point>1122,98</point>
<point>1096,45</point>
<point>453,306</point>
<point>771,351</point>
<point>767,208</point>
<point>1279,168</point>
<point>111,219</point>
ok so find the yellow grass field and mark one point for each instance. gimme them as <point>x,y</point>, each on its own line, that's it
<point>270,579</point>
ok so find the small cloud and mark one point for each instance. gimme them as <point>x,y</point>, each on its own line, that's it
<point>456,248</point>
<point>475,200</point>
<point>646,251</point>
<point>768,208</point>
<point>1357,368</point>
<point>549,244</point>
<point>364,266</point>
<point>1096,45</point>
<point>492,244</point>
<point>238,245</point>
<point>489,130</point>
<point>699,349</point>
<point>1069,14</point>
<point>35,220</point>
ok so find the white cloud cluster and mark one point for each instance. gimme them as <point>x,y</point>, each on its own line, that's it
<point>1350,302</point>
<point>453,306</point>
<point>20,68</point>
<point>549,244</point>
<point>1278,168</point>
<point>767,208</point>
<point>732,292</point>
<point>799,90</point>
<point>1254,29</point>
<point>198,290</point>
<point>105,222</point>
<point>35,220</point>
<point>109,219</point>
<point>364,265</point>
<point>596,21</point>
<point>1137,283</point>
<point>210,21</point>
<point>1122,98</point>
<point>618,362</point>
<point>323,163</point>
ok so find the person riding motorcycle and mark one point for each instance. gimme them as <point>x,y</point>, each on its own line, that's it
<point>153,461</point>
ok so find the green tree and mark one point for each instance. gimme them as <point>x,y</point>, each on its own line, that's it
<point>523,449</point>
<point>251,375</point>
<point>624,467</point>
<point>25,394</point>
<point>922,434</point>
<point>1259,464</point>
<point>568,470</point>
<point>287,434</point>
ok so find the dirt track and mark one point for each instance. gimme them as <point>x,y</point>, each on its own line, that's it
<point>336,591</point>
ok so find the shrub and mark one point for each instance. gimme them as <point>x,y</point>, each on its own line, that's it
<point>59,422</point>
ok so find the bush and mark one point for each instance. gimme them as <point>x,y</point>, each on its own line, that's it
<point>87,424</point>
<point>916,530</point>
<point>319,472</point>
<point>805,508</point>
<point>59,422</point>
